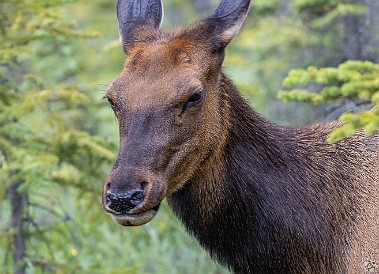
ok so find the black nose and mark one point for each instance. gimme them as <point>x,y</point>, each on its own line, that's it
<point>122,203</point>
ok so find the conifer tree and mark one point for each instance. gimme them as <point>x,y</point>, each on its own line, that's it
<point>352,80</point>
<point>347,40</point>
<point>45,119</point>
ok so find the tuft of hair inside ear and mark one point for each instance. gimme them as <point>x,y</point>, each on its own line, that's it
<point>231,31</point>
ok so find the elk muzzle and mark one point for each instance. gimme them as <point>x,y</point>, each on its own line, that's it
<point>132,202</point>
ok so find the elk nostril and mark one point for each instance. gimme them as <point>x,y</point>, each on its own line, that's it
<point>107,186</point>
<point>136,197</point>
<point>110,197</point>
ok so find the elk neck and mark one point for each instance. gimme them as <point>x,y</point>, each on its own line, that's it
<point>267,190</point>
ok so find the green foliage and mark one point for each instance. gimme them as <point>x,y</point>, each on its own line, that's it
<point>263,51</point>
<point>284,35</point>
<point>339,10</point>
<point>44,141</point>
<point>323,13</point>
<point>350,80</point>
<point>338,32</point>
<point>264,7</point>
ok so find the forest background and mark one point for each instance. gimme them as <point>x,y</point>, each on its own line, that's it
<point>58,138</point>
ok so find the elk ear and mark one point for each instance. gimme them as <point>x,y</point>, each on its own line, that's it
<point>227,20</point>
<point>135,14</point>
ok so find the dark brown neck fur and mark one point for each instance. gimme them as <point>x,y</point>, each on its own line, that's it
<point>276,201</point>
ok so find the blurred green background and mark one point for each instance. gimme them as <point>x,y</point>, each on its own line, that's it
<point>59,138</point>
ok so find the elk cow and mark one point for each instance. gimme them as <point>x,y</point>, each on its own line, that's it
<point>260,197</point>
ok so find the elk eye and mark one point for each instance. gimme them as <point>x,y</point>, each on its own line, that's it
<point>194,99</point>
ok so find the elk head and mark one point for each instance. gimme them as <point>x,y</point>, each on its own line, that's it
<point>172,116</point>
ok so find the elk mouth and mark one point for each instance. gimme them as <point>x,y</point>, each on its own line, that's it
<point>135,219</point>
<point>134,207</point>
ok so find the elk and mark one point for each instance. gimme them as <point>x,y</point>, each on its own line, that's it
<point>260,197</point>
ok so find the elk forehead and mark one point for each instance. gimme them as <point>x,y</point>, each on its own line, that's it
<point>156,74</point>
<point>160,56</point>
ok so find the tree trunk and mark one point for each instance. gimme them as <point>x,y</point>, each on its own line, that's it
<point>372,23</point>
<point>353,45</point>
<point>360,42</point>
<point>18,200</point>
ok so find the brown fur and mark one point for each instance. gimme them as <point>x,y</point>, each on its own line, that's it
<point>261,198</point>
